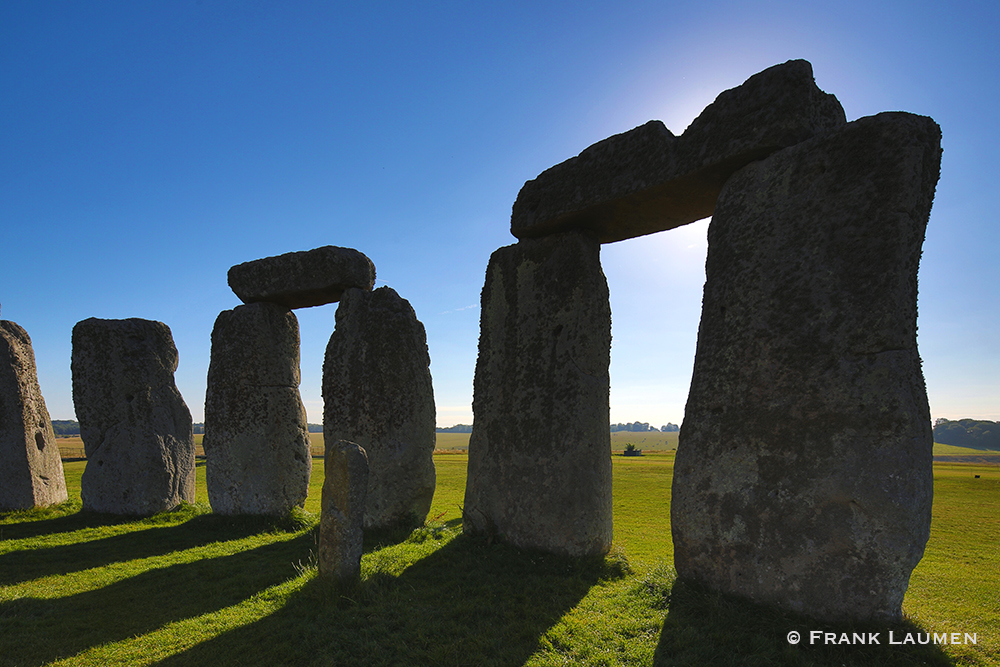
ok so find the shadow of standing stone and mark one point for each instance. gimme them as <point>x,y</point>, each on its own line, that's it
<point>258,459</point>
<point>377,392</point>
<point>31,472</point>
<point>803,472</point>
<point>135,426</point>
<point>540,451</point>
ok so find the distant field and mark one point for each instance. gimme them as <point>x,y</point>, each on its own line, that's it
<point>652,441</point>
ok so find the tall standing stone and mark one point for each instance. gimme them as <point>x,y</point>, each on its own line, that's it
<point>135,426</point>
<point>341,526</point>
<point>31,472</point>
<point>540,452</point>
<point>803,475</point>
<point>377,392</point>
<point>256,436</point>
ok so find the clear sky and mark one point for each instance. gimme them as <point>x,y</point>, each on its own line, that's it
<point>146,147</point>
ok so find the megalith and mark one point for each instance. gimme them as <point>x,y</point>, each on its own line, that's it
<point>647,180</point>
<point>341,525</point>
<point>539,474</point>
<point>302,279</point>
<point>803,474</point>
<point>377,392</point>
<point>31,472</point>
<point>258,458</point>
<point>135,426</point>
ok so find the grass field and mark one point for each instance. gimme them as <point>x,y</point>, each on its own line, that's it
<point>192,588</point>
<point>653,441</point>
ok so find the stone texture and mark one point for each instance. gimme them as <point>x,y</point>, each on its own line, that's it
<point>647,180</point>
<point>135,426</point>
<point>377,392</point>
<point>31,472</point>
<point>258,459</point>
<point>803,475</point>
<point>341,526</point>
<point>302,279</point>
<point>540,452</point>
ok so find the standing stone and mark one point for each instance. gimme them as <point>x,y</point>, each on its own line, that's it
<point>302,279</point>
<point>377,392</point>
<point>341,526</point>
<point>31,472</point>
<point>803,475</point>
<point>135,426</point>
<point>258,457</point>
<point>540,452</point>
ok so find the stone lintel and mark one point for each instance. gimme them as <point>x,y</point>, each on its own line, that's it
<point>302,279</point>
<point>647,180</point>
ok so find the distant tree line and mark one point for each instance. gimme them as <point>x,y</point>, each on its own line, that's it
<point>457,428</point>
<point>70,428</point>
<point>65,428</point>
<point>974,433</point>
<point>634,427</point>
<point>643,427</point>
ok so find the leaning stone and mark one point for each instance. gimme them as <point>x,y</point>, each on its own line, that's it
<point>135,426</point>
<point>803,474</point>
<point>647,180</point>
<point>258,457</point>
<point>377,392</point>
<point>31,472</point>
<point>341,526</point>
<point>302,279</point>
<point>539,456</point>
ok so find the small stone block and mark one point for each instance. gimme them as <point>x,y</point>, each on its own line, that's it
<point>341,527</point>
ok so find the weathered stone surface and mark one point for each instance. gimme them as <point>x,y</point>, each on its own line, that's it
<point>803,475</point>
<point>135,426</point>
<point>647,180</point>
<point>341,526</point>
<point>256,441</point>
<point>302,279</point>
<point>539,455</point>
<point>377,392</point>
<point>31,472</point>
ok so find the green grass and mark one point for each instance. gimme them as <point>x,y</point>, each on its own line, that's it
<point>191,588</point>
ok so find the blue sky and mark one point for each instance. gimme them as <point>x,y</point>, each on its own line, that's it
<point>147,147</point>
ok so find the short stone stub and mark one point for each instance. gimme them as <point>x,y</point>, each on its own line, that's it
<point>647,180</point>
<point>377,392</point>
<point>31,472</point>
<point>135,426</point>
<point>341,527</point>
<point>258,457</point>
<point>803,475</point>
<point>539,472</point>
<point>302,279</point>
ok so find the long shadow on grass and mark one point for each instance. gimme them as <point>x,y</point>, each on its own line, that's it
<point>148,539</point>
<point>30,526</point>
<point>467,603</point>
<point>36,631</point>
<point>706,628</point>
